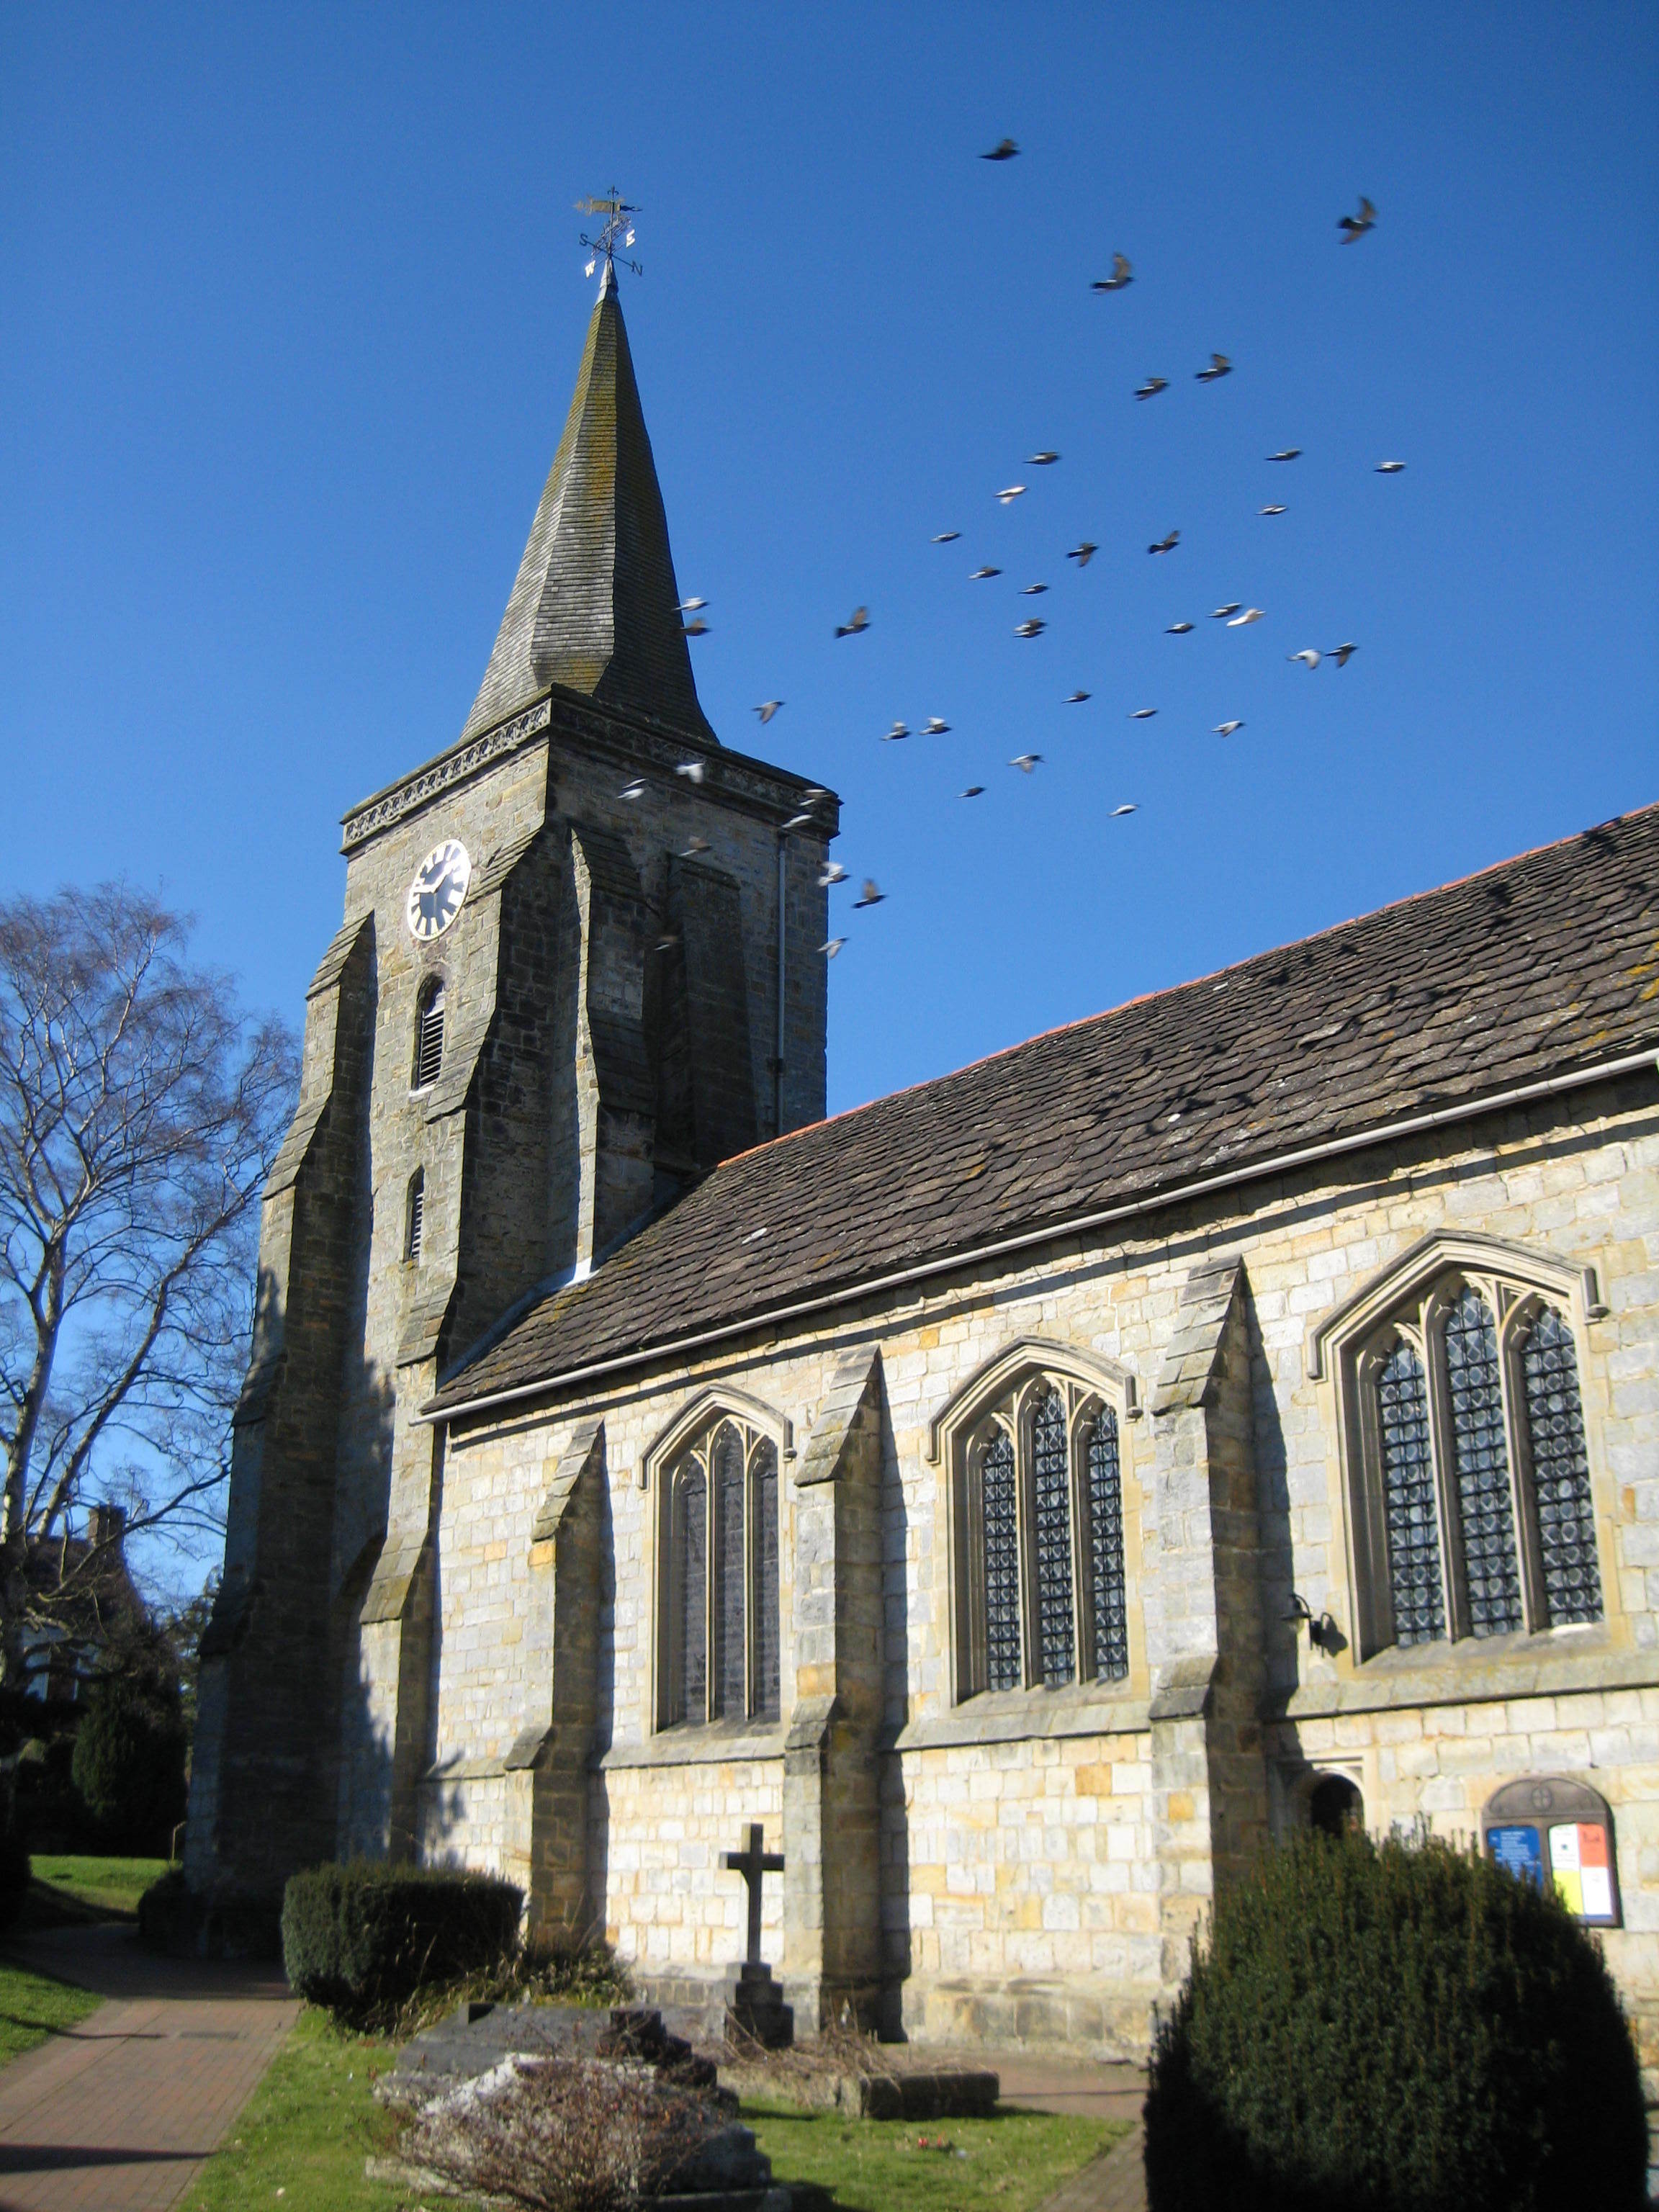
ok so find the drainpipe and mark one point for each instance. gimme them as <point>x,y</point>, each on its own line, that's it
<point>777,1057</point>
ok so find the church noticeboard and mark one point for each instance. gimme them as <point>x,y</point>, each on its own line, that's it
<point>1549,1829</point>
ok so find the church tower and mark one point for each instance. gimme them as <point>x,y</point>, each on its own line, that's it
<point>579,967</point>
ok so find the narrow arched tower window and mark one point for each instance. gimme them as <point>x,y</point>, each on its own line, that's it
<point>429,1032</point>
<point>415,1214</point>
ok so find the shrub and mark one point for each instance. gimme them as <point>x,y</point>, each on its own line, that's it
<point>15,1874</point>
<point>1393,2027</point>
<point>572,2135</point>
<point>362,1938</point>
<point>129,1763</point>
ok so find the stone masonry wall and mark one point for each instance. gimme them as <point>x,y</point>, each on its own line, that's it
<point>1020,1891</point>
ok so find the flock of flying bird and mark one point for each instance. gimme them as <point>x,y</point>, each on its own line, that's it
<point>1234,614</point>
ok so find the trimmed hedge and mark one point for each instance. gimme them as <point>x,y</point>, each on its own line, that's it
<point>362,1937</point>
<point>1394,2028</point>
<point>15,1874</point>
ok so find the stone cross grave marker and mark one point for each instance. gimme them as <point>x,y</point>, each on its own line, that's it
<point>751,1865</point>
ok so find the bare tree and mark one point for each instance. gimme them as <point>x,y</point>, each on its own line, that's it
<point>140,1112</point>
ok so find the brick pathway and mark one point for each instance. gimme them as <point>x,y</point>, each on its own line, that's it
<point>117,2114</point>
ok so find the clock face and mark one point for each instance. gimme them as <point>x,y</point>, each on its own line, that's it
<point>439,885</point>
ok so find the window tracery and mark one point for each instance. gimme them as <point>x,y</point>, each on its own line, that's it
<point>1467,1467</point>
<point>1041,1586</point>
<point>720,1588</point>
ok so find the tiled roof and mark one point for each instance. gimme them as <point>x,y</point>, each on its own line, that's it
<point>1543,965</point>
<point>595,605</point>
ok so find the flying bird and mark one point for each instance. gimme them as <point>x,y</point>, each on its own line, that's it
<point>1290,453</point>
<point>1043,460</point>
<point>1025,762</point>
<point>1177,629</point>
<point>1083,554</point>
<point>1219,366</point>
<point>947,537</point>
<point>1077,698</point>
<point>1390,468</point>
<point>1031,628</point>
<point>1226,729</point>
<point>1032,591</point>
<point>933,727</point>
<point>1129,809</point>
<point>803,822</point>
<point>667,943</point>
<point>1356,226</point>
<point>833,873</point>
<point>830,947</point>
<point>1308,657</point>
<point>1151,387</point>
<point>1217,614</point>
<point>766,708</point>
<point>1143,713</point>
<point>860,621</point>
<point>978,573</point>
<point>1273,510</point>
<point>899,730</point>
<point>695,846</point>
<point>1009,492</point>
<point>634,790</point>
<point>693,771</point>
<point>974,791</point>
<point>1341,654</point>
<point>1166,544</point>
<point>870,895</point>
<point>1122,274</point>
<point>696,628</point>
<point>1250,615</point>
<point>691,606</point>
<point>1003,150</point>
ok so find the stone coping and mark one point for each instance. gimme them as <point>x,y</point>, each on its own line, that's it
<point>1475,1674</point>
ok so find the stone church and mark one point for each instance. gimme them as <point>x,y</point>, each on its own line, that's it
<point>1024,1496</point>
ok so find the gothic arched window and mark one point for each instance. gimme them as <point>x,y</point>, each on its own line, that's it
<point>1468,1469</point>
<point>429,1033</point>
<point>720,1588</point>
<point>1041,1591</point>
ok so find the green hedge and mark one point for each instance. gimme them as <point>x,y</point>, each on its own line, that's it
<point>1394,2028</point>
<point>360,1937</point>
<point>15,1875</point>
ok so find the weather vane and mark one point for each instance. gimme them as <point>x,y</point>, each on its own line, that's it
<point>618,230</point>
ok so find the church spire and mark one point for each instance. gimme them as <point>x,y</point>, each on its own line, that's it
<point>595,606</point>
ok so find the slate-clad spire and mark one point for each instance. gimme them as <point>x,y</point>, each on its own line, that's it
<point>596,606</point>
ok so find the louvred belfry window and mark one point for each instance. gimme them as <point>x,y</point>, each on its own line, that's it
<point>1042,1598</point>
<point>1472,1481</point>
<point>429,1033</point>
<point>720,1590</point>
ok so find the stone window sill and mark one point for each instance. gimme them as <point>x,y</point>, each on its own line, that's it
<point>1478,1670</point>
<point>720,1743</point>
<point>1020,1715</point>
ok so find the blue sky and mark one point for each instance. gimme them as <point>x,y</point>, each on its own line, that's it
<point>293,305</point>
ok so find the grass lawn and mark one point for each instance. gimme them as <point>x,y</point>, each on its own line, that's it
<point>1009,2163</point>
<point>312,2121</point>
<point>306,2130</point>
<point>112,1887</point>
<point>33,2007</point>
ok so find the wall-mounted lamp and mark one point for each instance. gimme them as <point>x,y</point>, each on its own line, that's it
<point>1322,1631</point>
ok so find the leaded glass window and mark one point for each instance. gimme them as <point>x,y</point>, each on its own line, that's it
<point>1481,1460</point>
<point>1473,1503</point>
<point>720,1580</point>
<point>1413,1531</point>
<point>1560,1470</point>
<point>1004,1664</point>
<point>1042,1600</point>
<point>1051,1476</point>
<point>1108,1605</point>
